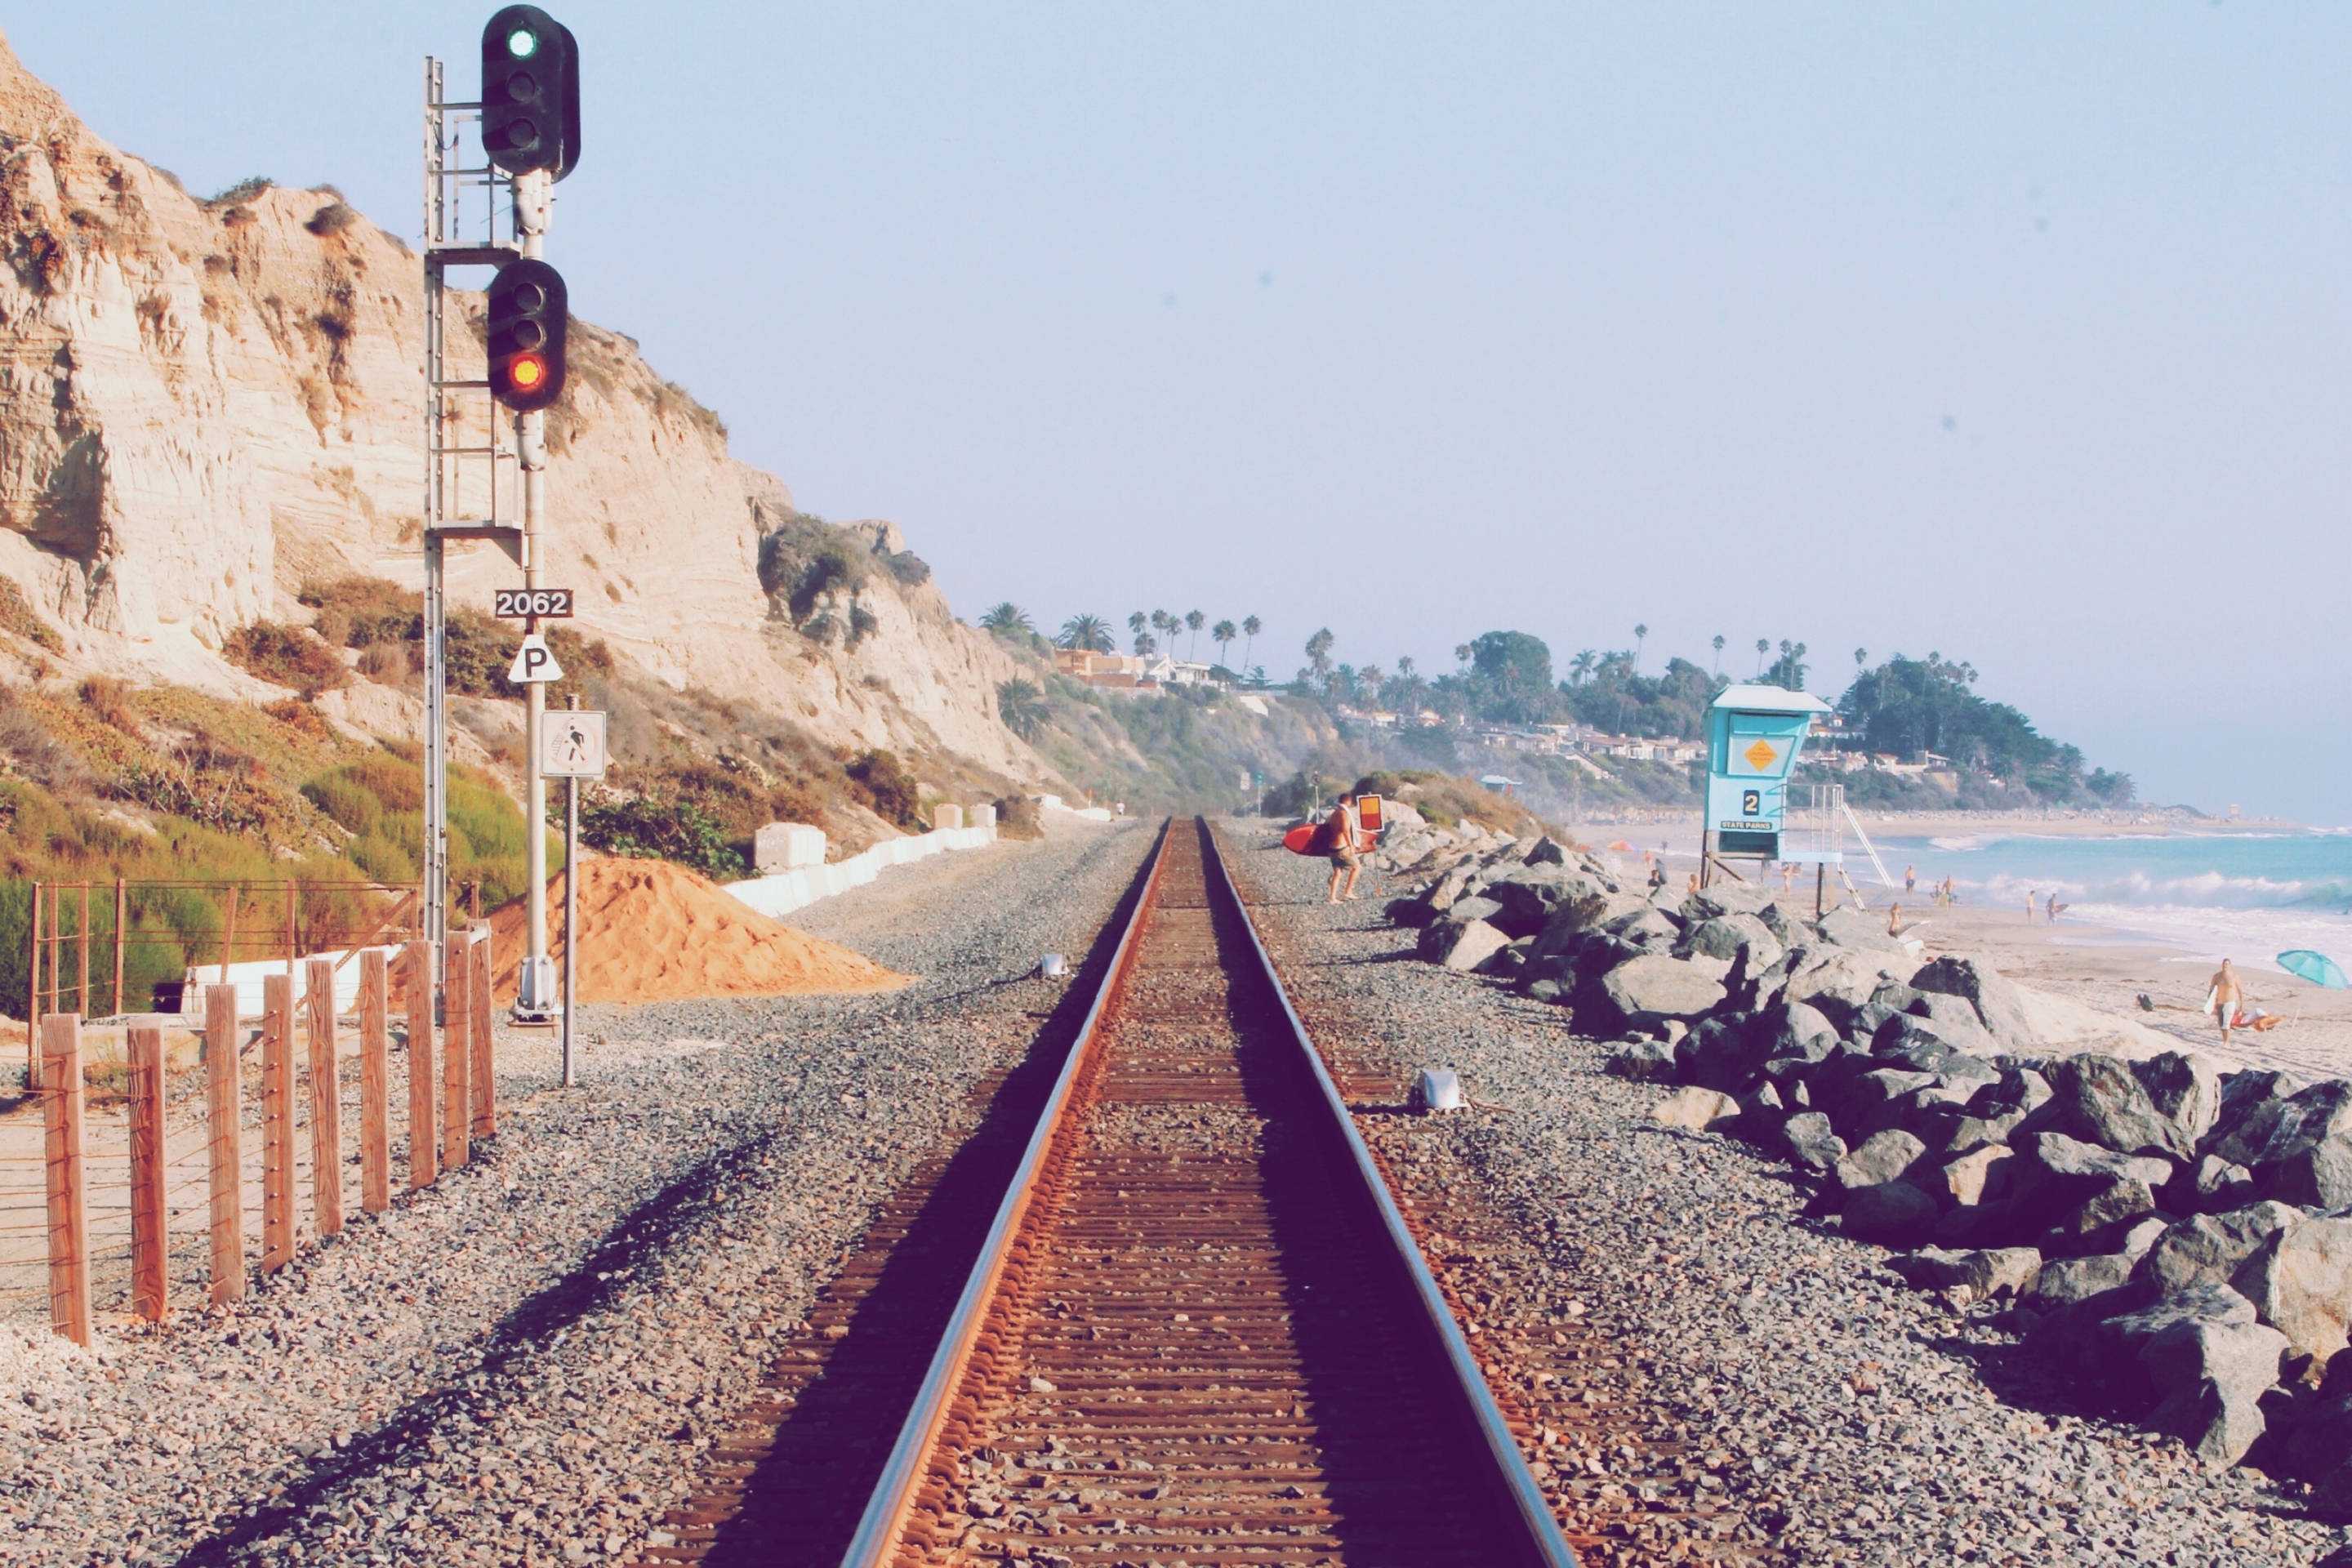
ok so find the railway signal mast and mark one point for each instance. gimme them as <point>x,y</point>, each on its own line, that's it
<point>479,485</point>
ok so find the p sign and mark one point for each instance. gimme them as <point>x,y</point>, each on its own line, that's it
<point>534,662</point>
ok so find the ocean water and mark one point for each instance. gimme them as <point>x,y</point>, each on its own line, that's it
<point>2244,895</point>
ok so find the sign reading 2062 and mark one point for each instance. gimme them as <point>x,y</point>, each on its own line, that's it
<point>520,603</point>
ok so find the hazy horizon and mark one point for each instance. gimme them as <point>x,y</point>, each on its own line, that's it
<point>2006,332</point>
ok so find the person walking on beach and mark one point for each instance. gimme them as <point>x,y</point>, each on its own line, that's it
<point>2224,998</point>
<point>1910,880</point>
<point>1337,837</point>
<point>2031,897</point>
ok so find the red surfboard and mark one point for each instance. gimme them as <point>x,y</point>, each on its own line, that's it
<point>1298,837</point>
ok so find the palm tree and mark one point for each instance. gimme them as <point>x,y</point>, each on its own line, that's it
<point>1763,647</point>
<point>1087,633</point>
<point>1164,623</point>
<point>1005,619</point>
<point>1318,653</point>
<point>1641,636</point>
<point>1719,654</point>
<point>1581,667</point>
<point>1023,708</point>
<point>1195,620</point>
<point>1138,621</point>
<point>1222,634</point>
<point>1861,657</point>
<point>1251,627</point>
<point>1146,645</point>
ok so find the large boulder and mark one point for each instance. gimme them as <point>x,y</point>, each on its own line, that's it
<point>1528,895</point>
<point>2084,1196</point>
<point>1859,929</point>
<point>2208,1249</point>
<point>2098,1099</point>
<point>2252,1104</point>
<point>2145,1356</point>
<point>1953,1020</point>
<point>1961,1180</point>
<point>1836,980</point>
<point>2185,1086</point>
<point>1811,1144</point>
<point>1881,1158</point>
<point>1977,1275</point>
<point>1643,1061</point>
<point>1467,946</point>
<point>2066,1281</point>
<point>2300,1280</point>
<point>2209,1378</point>
<point>1739,939</point>
<point>2307,1158</point>
<point>1651,931</point>
<point>1998,1009</point>
<point>1644,992</point>
<point>1893,1213</point>
<point>1695,1109</point>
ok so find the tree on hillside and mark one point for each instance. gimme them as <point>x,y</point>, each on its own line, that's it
<point>1005,619</point>
<point>1251,627</point>
<point>1718,655</point>
<point>1194,620</point>
<point>1763,647</point>
<point>1906,706</point>
<point>1641,636</point>
<point>1508,680</point>
<point>1788,671</point>
<point>1581,667</point>
<point>1222,634</point>
<point>1318,656</point>
<point>1861,657</point>
<point>1146,645</point>
<point>1023,708</point>
<point>1087,633</point>
<point>1138,621</point>
<point>1672,704</point>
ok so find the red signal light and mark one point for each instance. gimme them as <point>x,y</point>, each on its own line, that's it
<point>527,371</point>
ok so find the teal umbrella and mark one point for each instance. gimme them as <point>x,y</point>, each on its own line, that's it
<point>2315,967</point>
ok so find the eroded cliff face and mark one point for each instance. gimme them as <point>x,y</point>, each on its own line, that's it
<point>209,405</point>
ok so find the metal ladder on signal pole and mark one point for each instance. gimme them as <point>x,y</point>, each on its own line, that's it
<point>472,478</point>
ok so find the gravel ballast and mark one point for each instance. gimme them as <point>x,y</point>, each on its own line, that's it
<point>1715,1376</point>
<point>525,1362</point>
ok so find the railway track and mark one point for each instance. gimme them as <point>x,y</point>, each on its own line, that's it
<point>1196,1330</point>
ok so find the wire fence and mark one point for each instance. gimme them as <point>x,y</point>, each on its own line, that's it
<point>162,1180</point>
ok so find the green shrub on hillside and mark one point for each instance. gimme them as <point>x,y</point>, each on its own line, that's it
<point>285,656</point>
<point>18,616</point>
<point>888,788</point>
<point>659,827</point>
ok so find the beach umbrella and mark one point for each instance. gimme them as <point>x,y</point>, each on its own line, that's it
<point>2315,967</point>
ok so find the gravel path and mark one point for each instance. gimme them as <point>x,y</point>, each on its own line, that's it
<point>522,1364</point>
<point>1718,1378</point>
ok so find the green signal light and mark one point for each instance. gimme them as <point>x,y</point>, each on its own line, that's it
<point>522,43</point>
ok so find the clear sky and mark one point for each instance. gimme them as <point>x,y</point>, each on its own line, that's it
<point>2012,331</point>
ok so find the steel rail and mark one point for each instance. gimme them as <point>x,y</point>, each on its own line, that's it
<point>878,1527</point>
<point>1542,1528</point>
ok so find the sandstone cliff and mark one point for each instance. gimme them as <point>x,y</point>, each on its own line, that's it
<point>211,403</point>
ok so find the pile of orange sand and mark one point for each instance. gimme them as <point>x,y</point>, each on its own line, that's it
<point>653,932</point>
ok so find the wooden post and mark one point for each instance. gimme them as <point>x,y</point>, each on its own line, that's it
<point>417,975</point>
<point>68,1195</point>
<point>375,1082</point>
<point>292,889</point>
<point>121,917</point>
<point>149,1273</point>
<point>485,1088</point>
<point>326,1103</point>
<point>457,1109</point>
<point>226,1138</point>
<point>277,1121</point>
<point>81,1004</point>
<point>33,999</point>
<point>228,932</point>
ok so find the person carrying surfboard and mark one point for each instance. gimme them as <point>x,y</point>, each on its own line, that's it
<point>1336,836</point>
<point>2222,1000</point>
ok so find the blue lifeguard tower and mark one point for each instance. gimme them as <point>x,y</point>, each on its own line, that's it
<point>1754,735</point>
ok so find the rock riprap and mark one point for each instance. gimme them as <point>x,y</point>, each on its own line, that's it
<point>2176,1239</point>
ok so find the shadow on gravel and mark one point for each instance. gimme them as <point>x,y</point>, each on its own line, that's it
<point>640,1238</point>
<point>802,1502</point>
